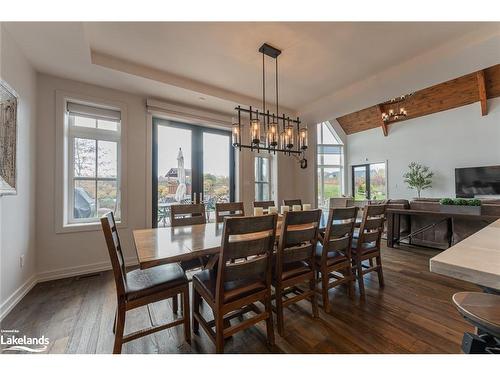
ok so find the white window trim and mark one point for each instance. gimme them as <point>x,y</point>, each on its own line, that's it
<point>341,167</point>
<point>62,174</point>
<point>270,174</point>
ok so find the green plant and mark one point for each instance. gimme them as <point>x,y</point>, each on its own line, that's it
<point>447,201</point>
<point>474,202</point>
<point>460,202</point>
<point>418,177</point>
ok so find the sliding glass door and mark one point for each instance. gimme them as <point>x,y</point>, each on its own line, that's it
<point>190,164</point>
<point>369,181</point>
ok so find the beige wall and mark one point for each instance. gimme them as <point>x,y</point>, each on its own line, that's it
<point>60,254</point>
<point>17,212</point>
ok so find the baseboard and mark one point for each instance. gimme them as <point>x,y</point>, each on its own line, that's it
<point>63,273</point>
<point>57,274</point>
<point>17,296</point>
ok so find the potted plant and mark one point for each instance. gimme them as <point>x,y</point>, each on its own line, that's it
<point>418,177</point>
<point>460,206</point>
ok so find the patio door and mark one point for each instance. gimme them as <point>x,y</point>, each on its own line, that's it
<point>190,164</point>
<point>369,181</point>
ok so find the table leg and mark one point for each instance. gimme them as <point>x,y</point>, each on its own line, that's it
<point>390,229</point>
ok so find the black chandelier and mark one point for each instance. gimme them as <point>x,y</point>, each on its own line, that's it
<point>270,131</point>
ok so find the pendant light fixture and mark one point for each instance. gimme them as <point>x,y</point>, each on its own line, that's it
<point>270,132</point>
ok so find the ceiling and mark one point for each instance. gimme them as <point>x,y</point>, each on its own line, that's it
<point>215,65</point>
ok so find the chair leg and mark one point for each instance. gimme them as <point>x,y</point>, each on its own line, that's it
<point>351,281</point>
<point>196,308</point>
<point>219,333</point>
<point>380,272</point>
<point>279,310</point>
<point>175,305</point>
<point>120,326</point>
<point>185,312</point>
<point>269,321</point>
<point>114,323</point>
<point>324,290</point>
<point>359,270</point>
<point>314,297</point>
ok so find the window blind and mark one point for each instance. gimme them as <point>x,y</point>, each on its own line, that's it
<point>95,112</point>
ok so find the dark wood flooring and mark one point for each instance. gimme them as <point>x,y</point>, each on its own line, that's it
<point>412,314</point>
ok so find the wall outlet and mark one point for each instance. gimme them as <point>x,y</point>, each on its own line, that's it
<point>21,261</point>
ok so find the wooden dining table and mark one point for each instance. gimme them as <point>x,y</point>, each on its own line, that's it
<point>156,246</point>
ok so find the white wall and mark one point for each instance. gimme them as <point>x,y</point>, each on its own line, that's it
<point>60,254</point>
<point>17,212</point>
<point>443,141</point>
<point>68,253</point>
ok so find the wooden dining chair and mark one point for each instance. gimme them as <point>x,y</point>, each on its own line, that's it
<point>181,215</point>
<point>233,288</point>
<point>141,287</point>
<point>231,209</point>
<point>294,261</point>
<point>292,202</point>
<point>333,252</point>
<point>187,214</point>
<point>264,204</point>
<point>367,245</point>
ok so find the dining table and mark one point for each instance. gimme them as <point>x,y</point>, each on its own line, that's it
<point>156,246</point>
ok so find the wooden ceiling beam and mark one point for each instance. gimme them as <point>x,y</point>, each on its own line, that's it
<point>481,86</point>
<point>464,90</point>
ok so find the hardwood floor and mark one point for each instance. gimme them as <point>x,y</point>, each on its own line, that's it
<point>412,314</point>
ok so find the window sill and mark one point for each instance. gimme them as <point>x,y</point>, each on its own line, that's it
<point>85,227</point>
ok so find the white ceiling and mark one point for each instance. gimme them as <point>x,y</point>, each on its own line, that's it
<point>219,62</point>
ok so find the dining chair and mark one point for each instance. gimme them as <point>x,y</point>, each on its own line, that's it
<point>264,204</point>
<point>294,261</point>
<point>292,202</point>
<point>341,202</point>
<point>182,215</point>
<point>233,288</point>
<point>333,252</point>
<point>141,287</point>
<point>187,214</point>
<point>231,209</point>
<point>367,245</point>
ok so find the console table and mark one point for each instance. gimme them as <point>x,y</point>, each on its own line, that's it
<point>394,221</point>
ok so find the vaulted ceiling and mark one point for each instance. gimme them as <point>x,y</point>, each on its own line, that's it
<point>216,65</point>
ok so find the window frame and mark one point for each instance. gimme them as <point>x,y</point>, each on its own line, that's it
<point>267,157</point>
<point>367,179</point>
<point>61,175</point>
<point>320,166</point>
<point>96,135</point>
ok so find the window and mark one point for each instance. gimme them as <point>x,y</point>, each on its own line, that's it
<point>93,161</point>
<point>330,164</point>
<point>369,181</point>
<point>262,178</point>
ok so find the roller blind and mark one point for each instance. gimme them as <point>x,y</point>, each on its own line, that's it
<point>95,112</point>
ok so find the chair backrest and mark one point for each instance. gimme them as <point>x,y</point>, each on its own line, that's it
<point>251,241</point>
<point>298,238</point>
<point>339,230</point>
<point>292,202</point>
<point>232,209</point>
<point>372,225</point>
<point>264,204</point>
<point>187,214</point>
<point>341,202</point>
<point>115,251</point>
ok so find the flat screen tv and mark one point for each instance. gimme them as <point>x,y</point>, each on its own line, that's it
<point>477,181</point>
